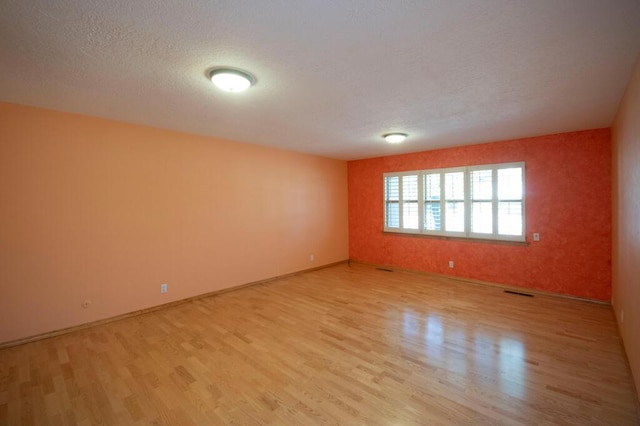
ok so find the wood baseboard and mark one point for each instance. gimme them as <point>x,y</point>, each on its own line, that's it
<point>486,283</point>
<point>67,330</point>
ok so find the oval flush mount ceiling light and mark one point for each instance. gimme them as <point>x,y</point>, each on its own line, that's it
<point>394,137</point>
<point>231,80</point>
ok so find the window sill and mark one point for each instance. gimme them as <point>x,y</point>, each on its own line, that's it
<point>467,240</point>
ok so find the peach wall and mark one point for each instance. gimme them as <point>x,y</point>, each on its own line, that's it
<point>568,196</point>
<point>626,219</point>
<point>106,211</point>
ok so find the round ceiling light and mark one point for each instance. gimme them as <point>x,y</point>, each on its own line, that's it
<point>231,80</point>
<point>394,137</point>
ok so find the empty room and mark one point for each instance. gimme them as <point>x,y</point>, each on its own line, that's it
<point>317,212</point>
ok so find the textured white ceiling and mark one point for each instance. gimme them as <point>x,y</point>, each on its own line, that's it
<point>333,76</point>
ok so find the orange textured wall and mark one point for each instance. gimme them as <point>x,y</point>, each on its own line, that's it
<point>106,211</point>
<point>626,220</point>
<point>568,196</point>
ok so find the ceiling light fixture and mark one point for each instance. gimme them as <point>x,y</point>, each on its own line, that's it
<point>395,137</point>
<point>231,80</point>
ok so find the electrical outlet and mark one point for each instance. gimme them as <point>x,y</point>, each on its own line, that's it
<point>86,304</point>
<point>536,236</point>
<point>163,288</point>
<point>451,264</point>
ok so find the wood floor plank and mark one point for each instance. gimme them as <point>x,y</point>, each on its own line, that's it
<point>348,344</point>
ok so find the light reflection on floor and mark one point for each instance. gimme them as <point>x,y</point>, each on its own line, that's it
<point>512,368</point>
<point>434,337</point>
<point>496,359</point>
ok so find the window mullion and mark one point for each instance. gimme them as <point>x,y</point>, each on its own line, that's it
<point>494,200</point>
<point>467,202</point>
<point>400,204</point>
<point>443,204</point>
<point>420,202</point>
<point>523,201</point>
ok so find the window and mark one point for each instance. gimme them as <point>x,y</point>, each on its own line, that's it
<point>469,202</point>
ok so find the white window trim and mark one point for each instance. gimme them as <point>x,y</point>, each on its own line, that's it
<point>467,203</point>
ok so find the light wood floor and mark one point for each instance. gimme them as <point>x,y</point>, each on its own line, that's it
<point>342,345</point>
